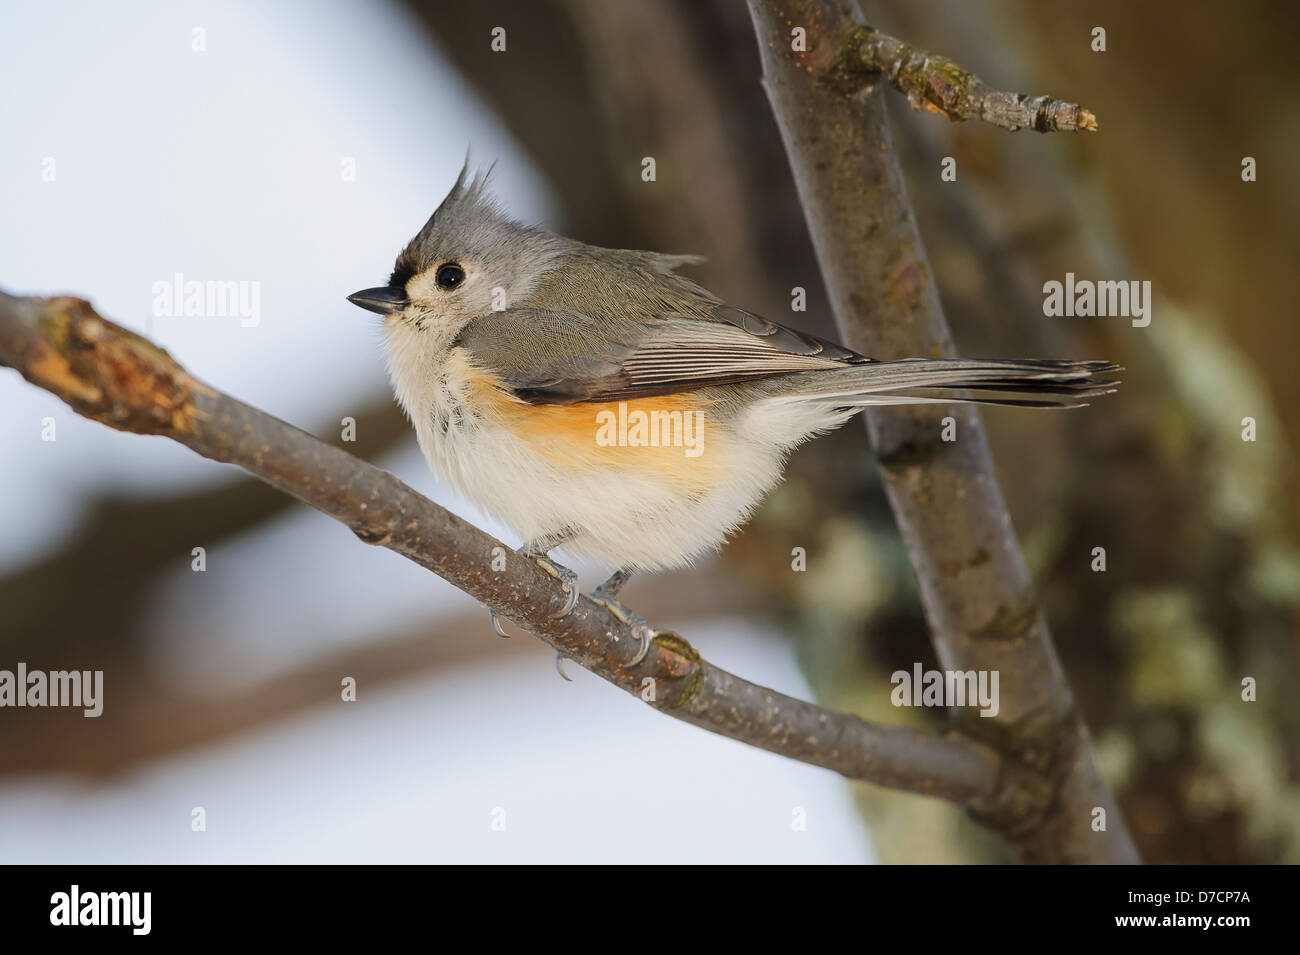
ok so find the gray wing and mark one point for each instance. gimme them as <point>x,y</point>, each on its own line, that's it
<point>558,357</point>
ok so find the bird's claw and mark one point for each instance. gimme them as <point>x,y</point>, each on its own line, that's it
<point>640,629</point>
<point>496,624</point>
<point>569,580</point>
<point>606,595</point>
<point>566,577</point>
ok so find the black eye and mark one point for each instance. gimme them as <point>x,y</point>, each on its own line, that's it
<point>450,275</point>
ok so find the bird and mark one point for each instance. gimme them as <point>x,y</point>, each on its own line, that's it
<point>601,404</point>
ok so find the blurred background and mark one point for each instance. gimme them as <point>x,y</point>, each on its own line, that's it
<point>300,145</point>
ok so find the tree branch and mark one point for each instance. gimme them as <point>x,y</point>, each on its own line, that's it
<point>116,377</point>
<point>935,83</point>
<point>977,594</point>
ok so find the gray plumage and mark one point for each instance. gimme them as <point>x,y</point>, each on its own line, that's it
<point>621,324</point>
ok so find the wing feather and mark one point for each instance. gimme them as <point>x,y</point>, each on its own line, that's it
<point>558,357</point>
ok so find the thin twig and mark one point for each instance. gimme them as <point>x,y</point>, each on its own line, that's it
<point>937,84</point>
<point>114,376</point>
<point>977,594</point>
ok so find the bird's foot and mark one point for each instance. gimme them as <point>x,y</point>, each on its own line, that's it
<point>607,596</point>
<point>567,578</point>
<point>640,628</point>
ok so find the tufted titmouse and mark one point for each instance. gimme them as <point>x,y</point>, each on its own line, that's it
<point>596,401</point>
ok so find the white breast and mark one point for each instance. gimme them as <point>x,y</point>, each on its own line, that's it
<point>621,520</point>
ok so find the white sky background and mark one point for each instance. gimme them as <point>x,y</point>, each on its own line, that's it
<point>225,165</point>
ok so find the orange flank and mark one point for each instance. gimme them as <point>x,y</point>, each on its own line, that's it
<point>668,437</point>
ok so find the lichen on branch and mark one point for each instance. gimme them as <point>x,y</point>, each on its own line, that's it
<point>936,84</point>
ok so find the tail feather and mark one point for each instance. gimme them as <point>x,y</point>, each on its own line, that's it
<point>1023,382</point>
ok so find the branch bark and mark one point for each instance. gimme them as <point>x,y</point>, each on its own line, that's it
<point>114,376</point>
<point>935,83</point>
<point>975,587</point>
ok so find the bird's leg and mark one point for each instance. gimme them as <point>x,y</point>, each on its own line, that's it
<point>610,588</point>
<point>536,550</point>
<point>607,596</point>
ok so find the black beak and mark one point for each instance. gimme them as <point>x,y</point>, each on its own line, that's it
<point>382,300</point>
